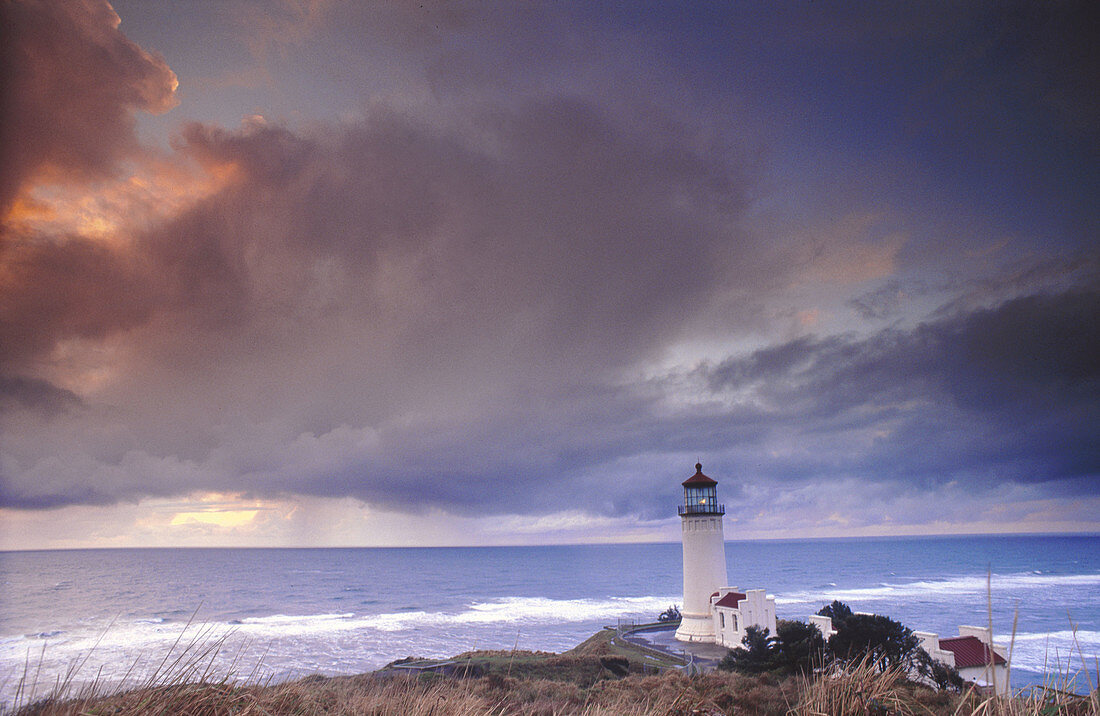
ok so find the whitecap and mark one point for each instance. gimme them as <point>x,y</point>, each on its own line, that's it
<point>1058,651</point>
<point>968,584</point>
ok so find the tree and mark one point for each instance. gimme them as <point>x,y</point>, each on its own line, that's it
<point>672,614</point>
<point>755,657</point>
<point>877,636</point>
<point>798,646</point>
<point>943,676</point>
<point>838,611</point>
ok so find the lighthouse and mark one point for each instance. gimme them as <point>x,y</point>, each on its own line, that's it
<point>704,555</point>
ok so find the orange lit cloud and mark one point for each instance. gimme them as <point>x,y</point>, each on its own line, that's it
<point>854,249</point>
<point>153,191</point>
<point>72,83</point>
<point>809,317</point>
<point>218,518</point>
<point>219,510</point>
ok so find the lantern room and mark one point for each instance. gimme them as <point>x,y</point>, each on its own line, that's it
<point>701,495</point>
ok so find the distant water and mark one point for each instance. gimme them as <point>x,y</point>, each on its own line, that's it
<point>337,611</point>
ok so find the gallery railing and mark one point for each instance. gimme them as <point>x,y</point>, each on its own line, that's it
<point>701,509</point>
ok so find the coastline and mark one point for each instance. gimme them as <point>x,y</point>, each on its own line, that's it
<point>601,676</point>
<point>351,611</point>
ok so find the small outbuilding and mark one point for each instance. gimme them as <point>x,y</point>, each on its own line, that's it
<point>734,612</point>
<point>973,654</point>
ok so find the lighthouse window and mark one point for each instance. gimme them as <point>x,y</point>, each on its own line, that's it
<point>701,496</point>
<point>701,500</point>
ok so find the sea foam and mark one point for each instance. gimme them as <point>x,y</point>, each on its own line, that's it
<point>970,584</point>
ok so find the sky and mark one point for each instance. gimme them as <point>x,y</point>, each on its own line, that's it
<point>330,273</point>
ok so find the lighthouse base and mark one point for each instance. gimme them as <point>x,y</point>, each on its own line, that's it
<point>697,628</point>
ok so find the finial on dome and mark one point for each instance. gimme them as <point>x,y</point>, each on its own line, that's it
<point>698,467</point>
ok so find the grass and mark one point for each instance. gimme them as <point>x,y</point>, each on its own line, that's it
<point>429,694</point>
<point>599,677</point>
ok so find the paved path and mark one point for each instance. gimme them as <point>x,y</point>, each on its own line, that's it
<point>704,656</point>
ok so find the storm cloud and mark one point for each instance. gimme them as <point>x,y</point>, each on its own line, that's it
<point>462,277</point>
<point>1008,393</point>
<point>392,270</point>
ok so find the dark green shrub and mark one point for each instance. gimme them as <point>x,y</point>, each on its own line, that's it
<point>756,656</point>
<point>877,636</point>
<point>799,647</point>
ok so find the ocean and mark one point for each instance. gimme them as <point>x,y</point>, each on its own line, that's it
<point>338,611</point>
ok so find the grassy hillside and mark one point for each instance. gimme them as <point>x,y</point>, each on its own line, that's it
<point>600,677</point>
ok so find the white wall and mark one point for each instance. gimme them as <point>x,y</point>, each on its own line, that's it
<point>727,621</point>
<point>981,675</point>
<point>931,643</point>
<point>997,676</point>
<point>824,625</point>
<point>756,609</point>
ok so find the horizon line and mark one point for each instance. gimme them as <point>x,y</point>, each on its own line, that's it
<point>557,544</point>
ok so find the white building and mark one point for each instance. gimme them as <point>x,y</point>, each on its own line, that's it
<point>973,653</point>
<point>824,625</point>
<point>713,612</point>
<point>735,612</point>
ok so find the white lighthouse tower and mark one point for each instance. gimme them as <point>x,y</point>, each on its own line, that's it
<point>704,555</point>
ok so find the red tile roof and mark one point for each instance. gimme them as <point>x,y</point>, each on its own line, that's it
<point>698,479</point>
<point>730,600</point>
<point>969,651</point>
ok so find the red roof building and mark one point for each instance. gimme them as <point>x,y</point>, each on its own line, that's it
<point>969,651</point>
<point>730,600</point>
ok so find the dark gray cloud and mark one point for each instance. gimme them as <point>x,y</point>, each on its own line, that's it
<point>36,395</point>
<point>997,395</point>
<point>883,302</point>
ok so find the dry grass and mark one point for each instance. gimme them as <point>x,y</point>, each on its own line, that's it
<point>668,695</point>
<point>859,690</point>
<point>1058,696</point>
<point>587,681</point>
<point>187,666</point>
<point>355,695</point>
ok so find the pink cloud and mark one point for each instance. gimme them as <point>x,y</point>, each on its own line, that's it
<point>72,82</point>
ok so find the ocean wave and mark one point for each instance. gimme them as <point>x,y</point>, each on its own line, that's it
<point>508,610</point>
<point>1058,651</point>
<point>513,609</point>
<point>971,584</point>
<point>46,634</point>
<point>292,619</point>
<point>139,633</point>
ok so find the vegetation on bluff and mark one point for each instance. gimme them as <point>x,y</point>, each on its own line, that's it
<point>798,647</point>
<point>603,676</point>
<point>858,690</point>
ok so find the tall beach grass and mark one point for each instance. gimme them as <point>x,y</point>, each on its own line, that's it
<point>192,678</point>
